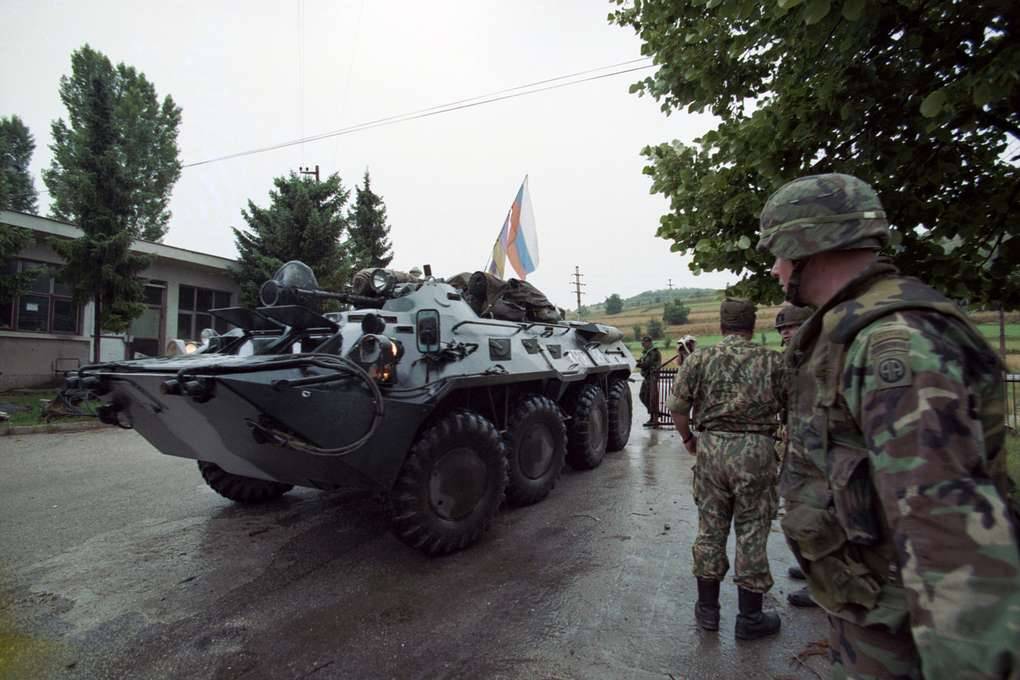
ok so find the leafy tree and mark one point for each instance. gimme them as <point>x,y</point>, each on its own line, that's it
<point>614,305</point>
<point>918,98</point>
<point>369,243</point>
<point>100,265</point>
<point>675,313</point>
<point>637,331</point>
<point>144,137</point>
<point>304,221</point>
<point>12,241</point>
<point>17,191</point>
<point>655,329</point>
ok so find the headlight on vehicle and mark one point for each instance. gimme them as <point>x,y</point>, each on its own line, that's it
<point>382,281</point>
<point>379,356</point>
<point>180,347</point>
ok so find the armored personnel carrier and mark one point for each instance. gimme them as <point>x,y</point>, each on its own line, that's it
<point>411,392</point>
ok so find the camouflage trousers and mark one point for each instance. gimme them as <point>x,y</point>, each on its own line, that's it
<point>865,653</point>
<point>648,393</point>
<point>734,482</point>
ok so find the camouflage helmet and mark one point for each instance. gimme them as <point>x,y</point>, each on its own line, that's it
<point>792,315</point>
<point>817,213</point>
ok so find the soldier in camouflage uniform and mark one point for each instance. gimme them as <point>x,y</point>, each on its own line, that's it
<point>895,477</point>
<point>788,321</point>
<point>736,390</point>
<point>649,364</point>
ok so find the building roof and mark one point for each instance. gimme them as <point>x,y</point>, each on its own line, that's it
<point>60,229</point>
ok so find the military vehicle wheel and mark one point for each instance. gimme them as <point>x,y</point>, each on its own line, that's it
<point>536,441</point>
<point>620,407</point>
<point>588,434</point>
<point>238,488</point>
<point>451,485</point>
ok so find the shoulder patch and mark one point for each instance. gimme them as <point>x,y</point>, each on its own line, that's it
<point>889,358</point>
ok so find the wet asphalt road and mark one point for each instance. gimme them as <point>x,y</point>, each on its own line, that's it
<point>117,561</point>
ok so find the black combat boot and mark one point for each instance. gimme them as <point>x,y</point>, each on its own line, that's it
<point>706,611</point>
<point>801,598</point>
<point>796,573</point>
<point>752,622</point>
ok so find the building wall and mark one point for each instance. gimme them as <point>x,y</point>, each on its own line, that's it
<point>37,359</point>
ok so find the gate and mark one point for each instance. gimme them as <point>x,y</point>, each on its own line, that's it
<point>1012,388</point>
<point>664,385</point>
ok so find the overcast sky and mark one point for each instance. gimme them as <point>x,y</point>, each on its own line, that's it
<point>258,73</point>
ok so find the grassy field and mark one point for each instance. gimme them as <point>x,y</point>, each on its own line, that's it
<point>703,324</point>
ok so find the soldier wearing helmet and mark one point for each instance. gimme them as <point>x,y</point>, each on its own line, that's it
<point>733,393</point>
<point>789,320</point>
<point>894,482</point>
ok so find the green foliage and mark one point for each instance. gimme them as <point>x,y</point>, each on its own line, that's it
<point>675,313</point>
<point>99,264</point>
<point>144,138</point>
<point>305,221</point>
<point>655,329</point>
<point>637,331</point>
<point>614,305</point>
<point>12,241</point>
<point>919,99</point>
<point>17,191</point>
<point>369,243</point>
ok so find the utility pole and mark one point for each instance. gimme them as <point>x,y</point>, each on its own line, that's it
<point>577,286</point>
<point>670,284</point>
<point>309,171</point>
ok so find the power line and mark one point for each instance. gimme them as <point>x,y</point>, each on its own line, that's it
<point>441,108</point>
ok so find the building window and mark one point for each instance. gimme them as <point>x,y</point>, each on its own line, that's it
<point>193,311</point>
<point>45,307</point>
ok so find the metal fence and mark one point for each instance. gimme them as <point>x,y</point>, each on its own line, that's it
<point>1012,387</point>
<point>664,384</point>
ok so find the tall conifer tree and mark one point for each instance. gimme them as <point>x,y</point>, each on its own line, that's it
<point>369,242</point>
<point>305,221</point>
<point>99,264</point>
<point>145,140</point>
<point>17,191</point>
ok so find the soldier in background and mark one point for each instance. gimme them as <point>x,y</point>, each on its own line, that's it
<point>649,363</point>
<point>736,390</point>
<point>788,321</point>
<point>894,481</point>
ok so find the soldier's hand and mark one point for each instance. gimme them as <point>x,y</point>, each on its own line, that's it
<point>692,445</point>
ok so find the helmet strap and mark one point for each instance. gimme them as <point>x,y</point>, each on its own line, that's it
<point>793,285</point>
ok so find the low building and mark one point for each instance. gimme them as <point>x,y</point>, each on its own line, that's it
<point>43,333</point>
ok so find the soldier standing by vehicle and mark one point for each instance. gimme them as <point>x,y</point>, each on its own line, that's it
<point>736,390</point>
<point>894,481</point>
<point>649,364</point>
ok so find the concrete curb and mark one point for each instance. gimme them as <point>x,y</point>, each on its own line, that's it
<point>49,428</point>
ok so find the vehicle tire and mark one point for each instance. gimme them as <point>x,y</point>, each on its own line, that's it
<point>536,443</point>
<point>451,485</point>
<point>241,489</point>
<point>621,407</point>
<point>588,433</point>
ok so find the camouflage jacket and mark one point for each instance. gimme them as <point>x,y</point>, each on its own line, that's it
<point>734,386</point>
<point>895,474</point>
<point>650,361</point>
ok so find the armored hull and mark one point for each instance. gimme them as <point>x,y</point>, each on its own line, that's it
<point>407,396</point>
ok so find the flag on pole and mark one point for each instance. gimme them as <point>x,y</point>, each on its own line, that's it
<point>518,239</point>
